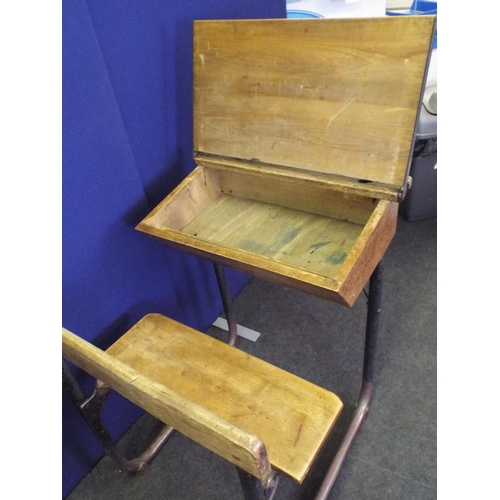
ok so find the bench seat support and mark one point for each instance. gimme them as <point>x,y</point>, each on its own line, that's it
<point>90,409</point>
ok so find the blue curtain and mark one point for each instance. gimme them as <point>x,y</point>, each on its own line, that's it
<point>127,142</point>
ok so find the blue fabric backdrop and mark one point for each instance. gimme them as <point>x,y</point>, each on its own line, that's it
<point>127,142</point>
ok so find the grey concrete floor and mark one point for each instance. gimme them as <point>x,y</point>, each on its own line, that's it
<point>394,455</point>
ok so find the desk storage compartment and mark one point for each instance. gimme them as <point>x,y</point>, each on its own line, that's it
<point>303,132</point>
<point>295,232</point>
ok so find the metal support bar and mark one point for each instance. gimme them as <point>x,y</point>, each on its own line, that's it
<point>253,489</point>
<point>365,396</point>
<point>90,409</point>
<point>227,302</point>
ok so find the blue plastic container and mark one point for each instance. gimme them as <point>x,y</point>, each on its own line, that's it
<point>419,7</point>
<point>302,14</point>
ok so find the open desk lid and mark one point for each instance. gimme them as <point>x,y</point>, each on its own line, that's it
<point>334,97</point>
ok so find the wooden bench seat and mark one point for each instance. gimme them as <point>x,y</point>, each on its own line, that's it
<point>221,397</point>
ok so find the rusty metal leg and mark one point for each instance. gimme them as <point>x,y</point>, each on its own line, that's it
<point>253,489</point>
<point>227,302</point>
<point>361,411</point>
<point>90,409</point>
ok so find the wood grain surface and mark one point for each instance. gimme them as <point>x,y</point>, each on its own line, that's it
<point>337,96</point>
<point>203,426</point>
<point>312,242</point>
<point>291,416</point>
<point>287,229</point>
<point>217,395</point>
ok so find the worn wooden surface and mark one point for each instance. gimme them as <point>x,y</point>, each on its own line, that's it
<point>233,443</point>
<point>291,416</point>
<point>290,230</point>
<point>199,190</point>
<point>368,251</point>
<point>297,194</point>
<point>254,264</point>
<point>337,96</point>
<point>273,173</point>
<point>215,394</point>
<point>188,200</point>
<point>312,242</point>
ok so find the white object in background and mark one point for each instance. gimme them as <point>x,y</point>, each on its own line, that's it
<point>430,99</point>
<point>399,4</point>
<point>432,78</point>
<point>335,8</point>
<point>242,331</point>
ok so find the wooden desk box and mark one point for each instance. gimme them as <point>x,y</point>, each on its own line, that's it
<point>303,136</point>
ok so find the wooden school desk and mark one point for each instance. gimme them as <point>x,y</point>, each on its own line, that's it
<point>303,138</point>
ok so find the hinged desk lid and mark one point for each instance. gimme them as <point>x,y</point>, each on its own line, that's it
<point>334,96</point>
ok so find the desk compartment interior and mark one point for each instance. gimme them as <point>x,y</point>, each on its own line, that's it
<point>304,225</point>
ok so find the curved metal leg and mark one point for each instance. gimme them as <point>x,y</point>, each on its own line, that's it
<point>227,302</point>
<point>90,408</point>
<point>253,489</point>
<point>365,396</point>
